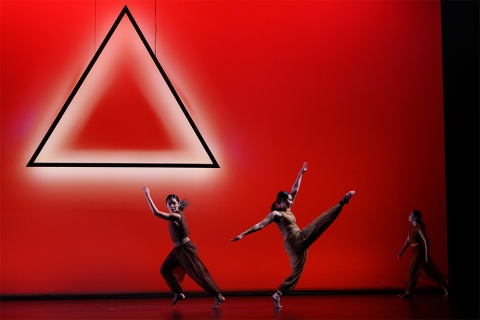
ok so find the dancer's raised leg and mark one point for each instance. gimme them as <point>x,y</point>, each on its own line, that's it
<point>319,225</point>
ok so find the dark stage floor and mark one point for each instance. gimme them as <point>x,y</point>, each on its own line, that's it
<point>336,306</point>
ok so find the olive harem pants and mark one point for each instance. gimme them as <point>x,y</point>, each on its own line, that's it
<point>184,259</point>
<point>418,264</point>
<point>297,244</point>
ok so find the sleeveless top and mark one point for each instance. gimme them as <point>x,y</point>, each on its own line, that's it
<point>179,231</point>
<point>414,234</point>
<point>286,223</point>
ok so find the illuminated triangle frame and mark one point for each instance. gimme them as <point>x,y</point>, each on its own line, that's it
<point>124,12</point>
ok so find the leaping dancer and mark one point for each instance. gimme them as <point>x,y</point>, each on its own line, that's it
<point>296,241</point>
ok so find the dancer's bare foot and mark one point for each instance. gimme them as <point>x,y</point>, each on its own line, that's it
<point>177,297</point>
<point>276,300</point>
<point>446,292</point>
<point>218,300</point>
<point>405,295</point>
<point>346,198</point>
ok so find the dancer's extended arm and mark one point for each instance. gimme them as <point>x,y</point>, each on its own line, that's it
<point>259,226</point>
<point>426,242</point>
<point>404,247</point>
<point>160,214</point>
<point>296,185</point>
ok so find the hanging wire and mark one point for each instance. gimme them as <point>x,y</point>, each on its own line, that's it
<point>95,30</point>
<point>155,28</point>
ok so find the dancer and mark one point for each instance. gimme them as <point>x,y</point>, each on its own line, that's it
<point>184,256</point>
<point>417,238</point>
<point>296,241</point>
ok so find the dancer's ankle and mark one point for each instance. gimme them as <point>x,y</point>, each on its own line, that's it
<point>218,300</point>
<point>446,291</point>
<point>276,300</point>
<point>346,198</point>
<point>177,297</point>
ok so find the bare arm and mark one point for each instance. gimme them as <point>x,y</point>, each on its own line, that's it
<point>160,214</point>
<point>259,226</point>
<point>404,247</point>
<point>426,242</point>
<point>296,185</point>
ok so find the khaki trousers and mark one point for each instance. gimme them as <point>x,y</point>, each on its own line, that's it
<point>184,259</point>
<point>418,264</point>
<point>298,242</point>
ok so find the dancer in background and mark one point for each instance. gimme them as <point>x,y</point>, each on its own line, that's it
<point>417,238</point>
<point>184,256</point>
<point>296,241</point>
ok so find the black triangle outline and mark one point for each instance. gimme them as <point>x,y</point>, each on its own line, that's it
<point>124,12</point>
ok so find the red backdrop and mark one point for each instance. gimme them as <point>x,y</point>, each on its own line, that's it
<point>354,88</point>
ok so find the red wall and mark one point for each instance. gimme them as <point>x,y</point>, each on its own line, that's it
<point>354,88</point>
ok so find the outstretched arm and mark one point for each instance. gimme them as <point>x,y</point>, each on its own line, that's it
<point>296,185</point>
<point>259,226</point>
<point>160,214</point>
<point>404,247</point>
<point>426,242</point>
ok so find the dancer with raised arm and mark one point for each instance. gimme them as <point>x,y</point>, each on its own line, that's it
<point>296,241</point>
<point>421,261</point>
<point>184,256</point>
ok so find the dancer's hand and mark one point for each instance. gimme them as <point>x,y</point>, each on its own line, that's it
<point>304,167</point>
<point>240,236</point>
<point>399,255</point>
<point>147,191</point>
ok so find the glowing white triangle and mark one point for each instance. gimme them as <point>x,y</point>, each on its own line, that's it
<point>127,47</point>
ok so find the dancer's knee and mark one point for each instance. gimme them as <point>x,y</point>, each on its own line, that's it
<point>164,271</point>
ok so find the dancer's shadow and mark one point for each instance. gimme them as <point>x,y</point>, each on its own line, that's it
<point>412,307</point>
<point>276,313</point>
<point>218,313</point>
<point>177,315</point>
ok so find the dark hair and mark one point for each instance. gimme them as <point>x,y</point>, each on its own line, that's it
<point>282,195</point>
<point>418,215</point>
<point>182,204</point>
